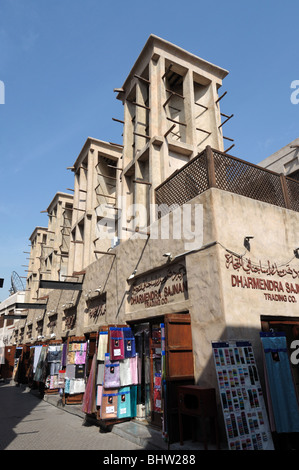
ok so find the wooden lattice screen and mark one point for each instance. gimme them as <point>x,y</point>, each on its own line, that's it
<point>212,168</point>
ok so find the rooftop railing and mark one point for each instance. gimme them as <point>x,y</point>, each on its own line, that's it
<point>214,169</point>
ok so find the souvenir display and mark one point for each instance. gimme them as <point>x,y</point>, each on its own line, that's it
<point>116,374</point>
<point>245,416</point>
<point>75,370</point>
<point>53,365</point>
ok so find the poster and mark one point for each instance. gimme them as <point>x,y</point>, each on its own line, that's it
<point>244,411</point>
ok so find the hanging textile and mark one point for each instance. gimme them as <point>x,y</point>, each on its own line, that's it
<point>54,368</point>
<point>157,393</point>
<point>129,343</point>
<point>54,353</point>
<point>100,373</point>
<point>29,372</point>
<point>61,379</point>
<point>133,397</point>
<point>37,351</point>
<point>282,392</point>
<point>116,344</point>
<point>134,370</point>
<point>89,398</point>
<point>41,368</point>
<point>99,395</point>
<point>111,373</point>
<point>77,386</point>
<point>109,404</point>
<point>80,357</point>
<point>70,371</point>
<point>103,345</point>
<point>163,384</point>
<point>67,385</point>
<point>2,355</point>
<point>124,403</point>
<point>125,376</point>
<point>64,355</point>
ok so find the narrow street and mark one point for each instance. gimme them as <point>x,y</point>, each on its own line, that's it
<point>29,423</point>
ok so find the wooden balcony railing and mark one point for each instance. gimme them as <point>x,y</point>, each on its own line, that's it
<point>214,169</point>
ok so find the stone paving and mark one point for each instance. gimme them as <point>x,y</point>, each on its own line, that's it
<point>29,423</point>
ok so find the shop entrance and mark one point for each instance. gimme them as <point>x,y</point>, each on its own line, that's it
<point>164,347</point>
<point>148,339</point>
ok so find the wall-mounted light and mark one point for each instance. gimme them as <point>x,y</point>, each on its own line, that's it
<point>296,252</point>
<point>247,242</point>
<point>168,256</point>
<point>132,275</point>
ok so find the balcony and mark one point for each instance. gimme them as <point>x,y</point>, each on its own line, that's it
<point>214,169</point>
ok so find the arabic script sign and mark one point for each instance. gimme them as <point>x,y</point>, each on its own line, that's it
<point>281,283</point>
<point>161,287</point>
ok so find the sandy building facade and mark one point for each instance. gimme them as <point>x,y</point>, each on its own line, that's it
<point>195,247</point>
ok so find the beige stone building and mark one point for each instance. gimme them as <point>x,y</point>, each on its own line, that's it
<point>96,179</point>
<point>216,261</point>
<point>284,160</point>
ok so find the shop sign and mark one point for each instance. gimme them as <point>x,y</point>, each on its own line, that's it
<point>283,288</point>
<point>160,288</point>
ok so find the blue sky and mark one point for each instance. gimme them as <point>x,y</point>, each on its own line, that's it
<point>60,60</point>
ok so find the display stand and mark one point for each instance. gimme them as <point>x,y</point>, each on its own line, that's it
<point>73,346</point>
<point>53,378</point>
<point>244,411</point>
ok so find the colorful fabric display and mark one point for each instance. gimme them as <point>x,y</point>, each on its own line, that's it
<point>37,351</point>
<point>134,370</point>
<point>133,398</point>
<point>64,355</point>
<point>77,386</point>
<point>100,373</point>
<point>111,373</point>
<point>125,376</point>
<point>71,357</point>
<point>70,371</point>
<point>41,368</point>
<point>157,393</point>
<point>80,357</point>
<point>61,379</point>
<point>129,343</point>
<point>54,353</point>
<point>89,398</point>
<point>139,368</point>
<point>53,382</point>
<point>79,371</point>
<point>103,345</point>
<point>117,351</point>
<point>279,380</point>
<point>54,368</point>
<point>67,385</point>
<point>109,404</point>
<point>99,395</point>
<point>124,403</point>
